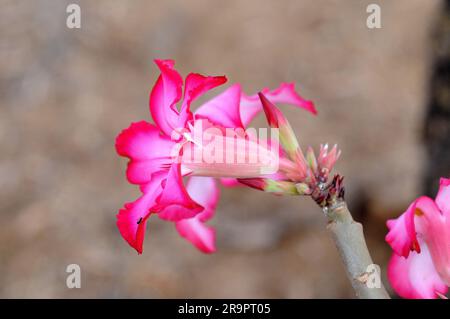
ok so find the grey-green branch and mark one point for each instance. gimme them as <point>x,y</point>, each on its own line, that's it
<point>349,239</point>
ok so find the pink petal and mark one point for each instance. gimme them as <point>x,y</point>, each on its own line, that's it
<point>415,277</point>
<point>196,85</point>
<point>233,108</point>
<point>443,196</point>
<point>174,203</point>
<point>224,108</point>
<point>146,148</point>
<point>201,236</point>
<point>285,93</point>
<point>434,228</point>
<point>164,96</point>
<point>132,219</point>
<point>205,192</point>
<point>402,233</point>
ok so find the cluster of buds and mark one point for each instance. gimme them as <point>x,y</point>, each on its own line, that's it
<point>299,173</point>
<point>328,195</point>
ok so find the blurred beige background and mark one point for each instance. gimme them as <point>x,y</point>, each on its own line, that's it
<point>66,93</point>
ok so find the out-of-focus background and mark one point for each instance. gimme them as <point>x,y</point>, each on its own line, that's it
<point>66,93</point>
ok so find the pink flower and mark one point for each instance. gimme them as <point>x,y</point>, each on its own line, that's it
<point>420,239</point>
<point>159,172</point>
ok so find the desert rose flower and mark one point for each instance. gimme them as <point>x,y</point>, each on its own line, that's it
<point>420,239</point>
<point>159,172</point>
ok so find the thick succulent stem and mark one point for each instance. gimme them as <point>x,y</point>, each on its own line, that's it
<point>349,239</point>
